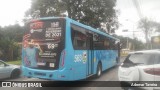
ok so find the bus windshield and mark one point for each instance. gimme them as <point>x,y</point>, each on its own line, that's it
<point>43,43</point>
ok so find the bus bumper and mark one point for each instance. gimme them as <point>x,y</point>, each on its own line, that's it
<point>64,74</point>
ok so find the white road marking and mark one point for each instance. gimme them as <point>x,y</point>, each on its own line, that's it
<point>34,79</point>
<point>31,79</point>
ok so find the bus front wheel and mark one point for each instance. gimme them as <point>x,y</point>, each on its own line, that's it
<point>99,70</point>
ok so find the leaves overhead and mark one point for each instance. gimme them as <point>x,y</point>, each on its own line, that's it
<point>9,36</point>
<point>135,43</point>
<point>89,12</point>
<point>148,26</point>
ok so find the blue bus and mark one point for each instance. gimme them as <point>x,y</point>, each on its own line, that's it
<point>59,48</point>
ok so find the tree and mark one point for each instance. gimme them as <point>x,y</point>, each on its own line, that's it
<point>157,26</point>
<point>147,26</point>
<point>89,12</point>
<point>9,36</point>
<point>13,32</point>
<point>8,49</point>
<point>136,44</point>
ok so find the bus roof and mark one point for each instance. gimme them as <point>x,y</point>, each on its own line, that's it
<point>77,23</point>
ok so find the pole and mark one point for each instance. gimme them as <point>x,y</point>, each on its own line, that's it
<point>127,42</point>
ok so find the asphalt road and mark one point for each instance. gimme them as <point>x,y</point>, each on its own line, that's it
<point>108,75</point>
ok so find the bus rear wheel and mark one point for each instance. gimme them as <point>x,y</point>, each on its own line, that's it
<point>99,70</point>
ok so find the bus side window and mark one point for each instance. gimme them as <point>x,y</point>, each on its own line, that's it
<point>79,39</point>
<point>114,45</point>
<point>106,44</point>
<point>98,42</point>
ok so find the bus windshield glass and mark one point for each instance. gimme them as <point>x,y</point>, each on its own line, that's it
<point>43,43</point>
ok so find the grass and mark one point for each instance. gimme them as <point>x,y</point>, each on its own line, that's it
<point>15,62</point>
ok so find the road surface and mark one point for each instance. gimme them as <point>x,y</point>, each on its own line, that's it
<point>108,75</point>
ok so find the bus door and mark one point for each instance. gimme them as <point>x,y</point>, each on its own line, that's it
<point>90,54</point>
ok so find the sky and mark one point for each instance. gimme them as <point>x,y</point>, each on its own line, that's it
<point>129,17</point>
<point>13,11</point>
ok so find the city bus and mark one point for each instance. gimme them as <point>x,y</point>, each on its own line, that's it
<point>59,48</point>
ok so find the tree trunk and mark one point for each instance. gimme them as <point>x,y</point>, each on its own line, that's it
<point>68,9</point>
<point>147,40</point>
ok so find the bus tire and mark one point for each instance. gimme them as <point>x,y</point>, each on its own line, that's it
<point>99,70</point>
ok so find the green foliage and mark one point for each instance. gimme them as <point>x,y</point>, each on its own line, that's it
<point>89,12</point>
<point>136,44</point>
<point>14,32</point>
<point>148,26</point>
<point>16,62</point>
<point>9,38</point>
